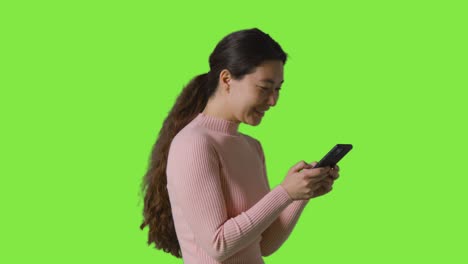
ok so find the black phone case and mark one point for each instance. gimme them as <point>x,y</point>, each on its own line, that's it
<point>334,155</point>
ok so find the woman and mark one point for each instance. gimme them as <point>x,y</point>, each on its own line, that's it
<point>208,199</point>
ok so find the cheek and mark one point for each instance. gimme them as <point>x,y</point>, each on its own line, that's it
<point>247,100</point>
<point>254,101</point>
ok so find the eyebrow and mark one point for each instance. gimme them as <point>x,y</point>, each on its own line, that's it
<point>270,81</point>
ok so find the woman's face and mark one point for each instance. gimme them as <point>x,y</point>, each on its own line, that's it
<point>256,92</point>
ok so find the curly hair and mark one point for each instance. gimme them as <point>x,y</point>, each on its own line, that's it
<point>240,52</point>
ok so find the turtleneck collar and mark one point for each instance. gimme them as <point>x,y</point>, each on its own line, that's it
<point>218,124</point>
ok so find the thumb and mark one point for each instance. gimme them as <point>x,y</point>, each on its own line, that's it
<point>301,165</point>
<point>313,164</point>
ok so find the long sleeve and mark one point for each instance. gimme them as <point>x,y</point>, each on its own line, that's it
<point>277,233</point>
<point>193,174</point>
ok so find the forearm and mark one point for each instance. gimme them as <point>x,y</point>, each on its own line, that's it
<point>277,233</point>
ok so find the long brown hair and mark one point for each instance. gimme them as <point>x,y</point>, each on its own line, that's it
<point>240,52</point>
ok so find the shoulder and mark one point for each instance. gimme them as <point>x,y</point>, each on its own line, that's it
<point>191,136</point>
<point>192,142</point>
<point>253,142</point>
<point>249,138</point>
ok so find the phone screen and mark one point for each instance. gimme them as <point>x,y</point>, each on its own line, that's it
<point>334,155</point>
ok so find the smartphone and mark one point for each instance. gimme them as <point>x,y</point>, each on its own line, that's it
<point>334,155</point>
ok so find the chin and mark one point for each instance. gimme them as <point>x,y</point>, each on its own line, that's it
<point>255,122</point>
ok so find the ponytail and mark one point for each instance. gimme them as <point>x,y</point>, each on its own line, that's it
<point>157,208</point>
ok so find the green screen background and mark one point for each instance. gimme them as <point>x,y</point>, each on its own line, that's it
<point>86,85</point>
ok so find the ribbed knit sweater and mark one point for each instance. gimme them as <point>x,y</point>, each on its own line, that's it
<point>223,208</point>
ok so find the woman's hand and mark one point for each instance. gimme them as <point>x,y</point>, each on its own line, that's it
<point>327,183</point>
<point>302,180</point>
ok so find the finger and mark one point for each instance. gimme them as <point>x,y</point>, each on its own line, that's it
<point>315,187</point>
<point>336,176</point>
<point>316,179</point>
<point>327,186</point>
<point>327,181</point>
<point>299,166</point>
<point>324,170</point>
<point>312,176</point>
<point>321,191</point>
<point>323,183</point>
<point>334,171</point>
<point>319,173</point>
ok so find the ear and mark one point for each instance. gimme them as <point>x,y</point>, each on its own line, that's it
<point>225,79</point>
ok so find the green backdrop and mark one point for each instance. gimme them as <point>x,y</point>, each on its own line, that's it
<point>86,85</point>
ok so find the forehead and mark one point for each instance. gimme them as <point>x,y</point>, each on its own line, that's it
<point>269,71</point>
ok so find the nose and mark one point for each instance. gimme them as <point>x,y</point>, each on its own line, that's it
<point>272,99</point>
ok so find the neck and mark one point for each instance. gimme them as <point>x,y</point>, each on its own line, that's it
<point>217,124</point>
<point>220,110</point>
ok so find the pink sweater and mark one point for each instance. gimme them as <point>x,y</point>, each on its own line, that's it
<point>223,208</point>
